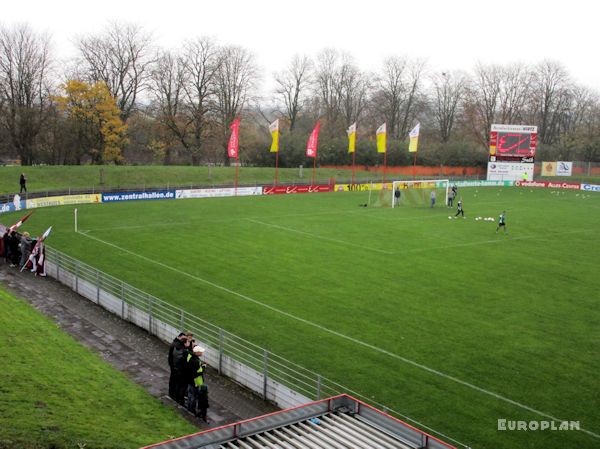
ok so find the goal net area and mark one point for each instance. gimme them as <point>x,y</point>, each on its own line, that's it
<point>414,193</point>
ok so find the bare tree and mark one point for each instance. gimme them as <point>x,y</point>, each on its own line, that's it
<point>235,81</point>
<point>120,57</point>
<point>515,90</point>
<point>24,67</point>
<point>202,59</point>
<point>482,100</point>
<point>327,89</point>
<point>292,84</point>
<point>397,89</point>
<point>166,85</point>
<point>551,95</point>
<point>354,93</point>
<point>449,89</point>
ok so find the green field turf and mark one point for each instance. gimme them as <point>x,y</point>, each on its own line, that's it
<point>441,319</point>
<point>56,394</point>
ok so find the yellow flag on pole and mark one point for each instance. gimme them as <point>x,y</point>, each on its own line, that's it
<point>381,139</point>
<point>352,138</point>
<point>274,128</point>
<point>414,139</point>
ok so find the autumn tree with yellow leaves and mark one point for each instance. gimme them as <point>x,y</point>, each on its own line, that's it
<point>95,118</point>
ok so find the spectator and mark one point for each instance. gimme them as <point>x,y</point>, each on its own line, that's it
<point>13,249</point>
<point>23,183</point>
<point>203,403</point>
<point>26,245</point>
<point>175,355</point>
<point>195,379</point>
<point>190,340</point>
<point>39,261</point>
<point>4,246</point>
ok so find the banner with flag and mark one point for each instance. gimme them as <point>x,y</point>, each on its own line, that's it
<point>352,138</point>
<point>313,141</point>
<point>20,222</point>
<point>414,138</point>
<point>234,139</point>
<point>37,252</point>
<point>381,139</point>
<point>274,129</point>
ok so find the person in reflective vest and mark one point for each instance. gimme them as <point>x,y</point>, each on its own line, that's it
<point>195,370</point>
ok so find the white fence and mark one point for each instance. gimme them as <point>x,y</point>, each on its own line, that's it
<point>273,377</point>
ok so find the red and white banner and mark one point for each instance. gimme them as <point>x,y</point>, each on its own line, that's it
<point>282,190</point>
<point>234,139</point>
<point>313,141</point>
<point>549,185</point>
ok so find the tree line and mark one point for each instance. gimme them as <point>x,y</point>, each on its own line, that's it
<point>123,99</point>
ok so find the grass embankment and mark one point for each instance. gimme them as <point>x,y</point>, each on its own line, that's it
<point>54,393</point>
<point>48,178</point>
<point>93,177</point>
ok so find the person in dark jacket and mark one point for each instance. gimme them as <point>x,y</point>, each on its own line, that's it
<point>195,378</point>
<point>13,249</point>
<point>203,403</point>
<point>175,355</point>
<point>4,245</point>
<point>23,183</point>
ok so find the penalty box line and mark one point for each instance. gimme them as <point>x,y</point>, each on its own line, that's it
<point>340,335</point>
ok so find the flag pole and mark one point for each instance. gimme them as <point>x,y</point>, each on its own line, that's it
<point>415,165</point>
<point>314,169</point>
<point>236,174</point>
<point>276,164</point>
<point>384,164</point>
<point>353,166</point>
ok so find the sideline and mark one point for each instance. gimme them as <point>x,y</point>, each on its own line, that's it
<point>343,336</point>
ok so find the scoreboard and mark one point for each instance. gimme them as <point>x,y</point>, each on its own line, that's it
<point>512,152</point>
<point>513,143</point>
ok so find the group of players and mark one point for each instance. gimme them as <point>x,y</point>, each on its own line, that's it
<point>459,205</point>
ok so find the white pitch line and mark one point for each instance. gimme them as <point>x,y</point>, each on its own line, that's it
<point>284,228</point>
<point>343,336</point>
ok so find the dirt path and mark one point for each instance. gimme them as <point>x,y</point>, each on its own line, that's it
<point>127,347</point>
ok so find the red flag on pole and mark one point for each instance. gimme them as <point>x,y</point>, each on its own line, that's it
<point>36,250</point>
<point>234,139</point>
<point>313,141</point>
<point>20,222</point>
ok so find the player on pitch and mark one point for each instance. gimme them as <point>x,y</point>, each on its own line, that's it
<point>502,222</point>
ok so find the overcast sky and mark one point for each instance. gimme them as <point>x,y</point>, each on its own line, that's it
<point>449,35</point>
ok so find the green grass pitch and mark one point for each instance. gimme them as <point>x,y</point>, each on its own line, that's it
<point>441,319</point>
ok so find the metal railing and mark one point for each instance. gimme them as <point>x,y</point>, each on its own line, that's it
<point>275,378</point>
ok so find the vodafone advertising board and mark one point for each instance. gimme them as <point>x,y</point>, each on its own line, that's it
<point>282,190</point>
<point>549,185</point>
